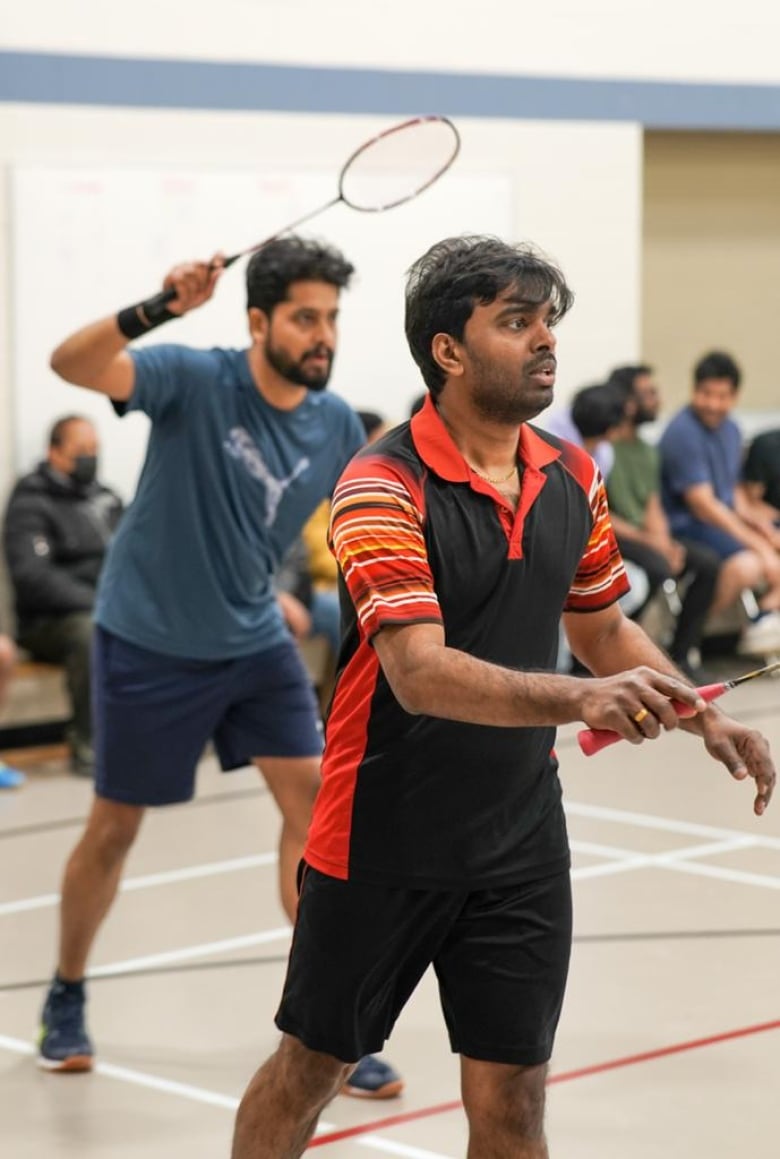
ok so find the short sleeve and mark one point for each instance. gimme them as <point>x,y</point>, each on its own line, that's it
<point>162,377</point>
<point>684,459</point>
<point>376,535</point>
<point>601,578</point>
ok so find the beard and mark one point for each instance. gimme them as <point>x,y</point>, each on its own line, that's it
<point>643,416</point>
<point>509,399</point>
<point>298,372</point>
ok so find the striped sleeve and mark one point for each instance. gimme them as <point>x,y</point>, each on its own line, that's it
<point>601,577</point>
<point>376,535</point>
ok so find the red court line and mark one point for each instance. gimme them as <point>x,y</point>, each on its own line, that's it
<point>564,1077</point>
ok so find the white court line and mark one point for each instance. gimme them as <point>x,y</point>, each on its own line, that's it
<point>188,873</point>
<point>203,950</point>
<point>737,876</point>
<point>667,824</point>
<point>678,860</point>
<point>212,1098</point>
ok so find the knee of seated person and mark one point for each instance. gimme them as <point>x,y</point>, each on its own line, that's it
<point>745,566</point>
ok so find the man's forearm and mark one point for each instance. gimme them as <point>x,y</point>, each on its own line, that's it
<point>721,516</point>
<point>624,646</point>
<point>448,683</point>
<point>86,354</point>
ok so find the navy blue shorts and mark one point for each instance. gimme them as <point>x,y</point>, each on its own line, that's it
<point>501,956</point>
<point>154,715</point>
<point>720,541</point>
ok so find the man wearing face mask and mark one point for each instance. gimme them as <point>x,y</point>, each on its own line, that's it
<point>58,525</point>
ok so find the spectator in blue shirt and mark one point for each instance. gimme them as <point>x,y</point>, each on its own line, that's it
<point>701,457</point>
<point>190,643</point>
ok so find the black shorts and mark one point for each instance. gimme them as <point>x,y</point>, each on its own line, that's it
<point>501,957</point>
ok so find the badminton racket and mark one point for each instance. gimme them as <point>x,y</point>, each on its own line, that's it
<point>593,740</point>
<point>388,170</point>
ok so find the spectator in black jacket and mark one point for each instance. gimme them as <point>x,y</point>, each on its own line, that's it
<point>57,527</point>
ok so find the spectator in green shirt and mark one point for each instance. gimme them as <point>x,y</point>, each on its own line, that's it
<point>640,524</point>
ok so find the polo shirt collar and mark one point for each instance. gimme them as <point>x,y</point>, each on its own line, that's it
<point>437,450</point>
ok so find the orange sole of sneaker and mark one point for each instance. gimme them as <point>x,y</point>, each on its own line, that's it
<point>77,1064</point>
<point>388,1091</point>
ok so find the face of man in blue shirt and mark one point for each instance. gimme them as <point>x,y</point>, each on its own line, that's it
<point>296,344</point>
<point>713,401</point>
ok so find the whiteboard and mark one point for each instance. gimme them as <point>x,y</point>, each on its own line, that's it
<point>86,242</point>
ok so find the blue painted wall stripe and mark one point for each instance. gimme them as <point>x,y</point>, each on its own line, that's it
<point>51,78</point>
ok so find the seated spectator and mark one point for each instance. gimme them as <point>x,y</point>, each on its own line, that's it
<point>640,523</point>
<point>761,483</point>
<point>320,573</point>
<point>594,419</point>
<point>58,523</point>
<point>597,416</point>
<point>373,424</point>
<point>701,457</point>
<point>9,778</point>
<point>595,405</point>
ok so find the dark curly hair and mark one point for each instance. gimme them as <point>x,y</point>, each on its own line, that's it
<point>279,263</point>
<point>717,364</point>
<point>455,275</point>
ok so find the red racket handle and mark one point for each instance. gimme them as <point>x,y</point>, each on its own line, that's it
<point>593,740</point>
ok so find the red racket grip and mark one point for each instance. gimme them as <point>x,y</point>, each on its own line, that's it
<point>593,740</point>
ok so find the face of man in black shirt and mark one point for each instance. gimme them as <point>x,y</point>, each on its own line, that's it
<point>506,359</point>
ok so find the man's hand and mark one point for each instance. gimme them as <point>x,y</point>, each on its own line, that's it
<point>637,704</point>
<point>744,752</point>
<point>296,615</point>
<point>194,283</point>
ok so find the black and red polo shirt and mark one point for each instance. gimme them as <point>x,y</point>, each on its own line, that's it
<point>421,801</point>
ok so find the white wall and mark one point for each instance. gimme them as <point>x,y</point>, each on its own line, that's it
<point>575,191</point>
<point>696,40</point>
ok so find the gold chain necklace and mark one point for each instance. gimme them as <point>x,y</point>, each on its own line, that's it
<point>491,478</point>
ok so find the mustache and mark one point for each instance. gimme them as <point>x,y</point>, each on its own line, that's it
<point>542,362</point>
<point>320,351</point>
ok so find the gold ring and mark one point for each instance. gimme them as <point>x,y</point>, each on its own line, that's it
<point>638,717</point>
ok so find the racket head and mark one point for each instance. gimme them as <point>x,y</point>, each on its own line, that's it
<point>398,164</point>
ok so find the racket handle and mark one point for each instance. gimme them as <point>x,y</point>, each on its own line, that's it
<point>158,302</point>
<point>593,740</point>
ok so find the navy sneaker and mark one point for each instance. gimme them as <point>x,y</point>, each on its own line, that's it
<point>64,1044</point>
<point>373,1079</point>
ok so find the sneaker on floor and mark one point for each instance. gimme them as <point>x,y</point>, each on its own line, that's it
<point>761,637</point>
<point>10,778</point>
<point>64,1044</point>
<point>373,1079</point>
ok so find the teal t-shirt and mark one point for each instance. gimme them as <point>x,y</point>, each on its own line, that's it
<point>226,486</point>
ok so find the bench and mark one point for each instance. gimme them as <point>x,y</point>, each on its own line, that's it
<point>36,709</point>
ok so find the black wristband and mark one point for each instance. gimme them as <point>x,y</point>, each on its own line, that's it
<point>134,321</point>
